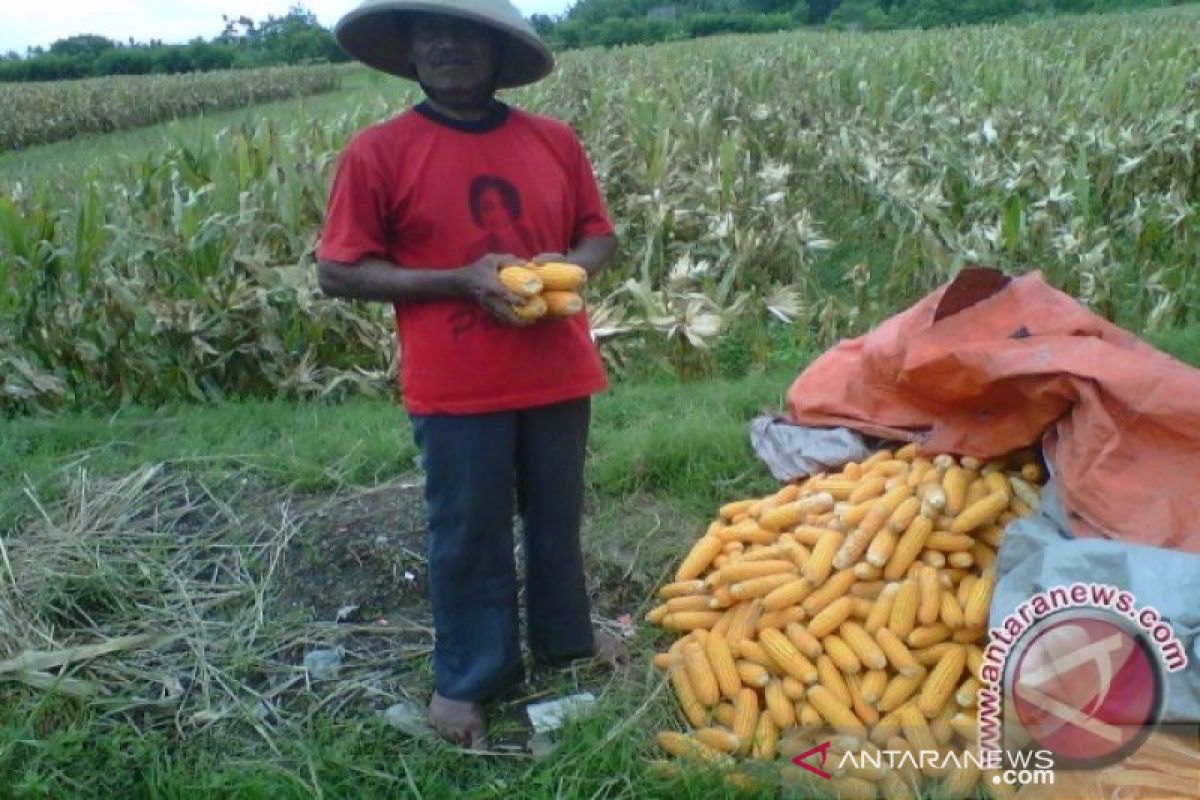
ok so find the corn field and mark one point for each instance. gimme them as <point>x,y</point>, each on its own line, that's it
<point>808,184</point>
<point>37,113</point>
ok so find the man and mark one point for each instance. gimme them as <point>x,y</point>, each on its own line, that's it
<point>499,407</point>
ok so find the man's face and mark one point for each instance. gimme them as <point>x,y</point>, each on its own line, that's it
<point>453,56</point>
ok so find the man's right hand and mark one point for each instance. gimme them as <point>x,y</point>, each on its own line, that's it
<point>481,283</point>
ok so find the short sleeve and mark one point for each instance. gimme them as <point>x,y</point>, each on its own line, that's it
<point>591,215</point>
<point>356,219</point>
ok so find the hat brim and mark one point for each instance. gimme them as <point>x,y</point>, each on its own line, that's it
<point>376,35</point>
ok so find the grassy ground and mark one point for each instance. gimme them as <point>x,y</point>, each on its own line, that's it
<point>662,456</point>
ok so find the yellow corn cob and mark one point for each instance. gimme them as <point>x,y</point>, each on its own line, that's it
<point>969,634</point>
<point>558,276</point>
<point>789,594</point>
<point>974,660</point>
<point>942,680</point>
<point>881,547</point>
<point>863,645</point>
<point>699,558</point>
<point>700,674</point>
<point>950,612</point>
<point>837,488</point>
<point>1026,494</point>
<point>790,514</point>
<point>996,482</point>
<point>809,535</point>
<point>975,609</point>
<point>949,577</point>
<point>752,673</point>
<point>655,615</point>
<point>994,786</point>
<point>745,717</point>
<point>805,642</point>
<point>967,694</point>
<point>520,280</point>
<point>928,656</point>
<point>983,556</point>
<point>792,689</point>
<point>836,586</point>
<point>946,542</point>
<point>752,650</point>
<point>960,781</point>
<point>688,702</point>
<point>897,653</point>
<point>759,587</point>
<point>770,552</point>
<point>532,308</point>
<point>670,591</point>
<point>839,715</point>
<point>690,620</point>
<point>890,468</point>
<point>931,492</point>
<point>744,622</point>
<point>720,561</point>
<point>766,739</point>
<point>693,602</point>
<point>724,714</point>
<point>856,542</point>
<point>960,560</point>
<point>830,618</point>
<point>719,739</point>
<point>862,709</point>
<point>732,509</point>
<point>784,653</point>
<point>898,691</point>
<point>721,598</point>
<point>908,547</point>
<point>906,453</point>
<point>868,488</point>
<point>872,685</point>
<point>929,602</point>
<point>940,725</point>
<point>681,745</point>
<point>917,471</point>
<point>934,558</point>
<point>977,490</point>
<point>894,787</point>
<point>966,725</point>
<point>928,635</point>
<point>782,618</point>
<point>782,712</point>
<point>904,514</point>
<point>808,717</point>
<point>742,570</point>
<point>818,565</point>
<point>954,484</point>
<point>982,512</point>
<point>964,589</point>
<point>904,609</point>
<point>562,304</point>
<point>916,728</point>
<point>851,514</point>
<point>725,669</point>
<point>841,654</point>
<point>860,608</point>
<point>886,729</point>
<point>1031,472</point>
<point>867,588</point>
<point>882,608</point>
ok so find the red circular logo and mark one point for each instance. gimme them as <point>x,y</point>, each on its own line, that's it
<point>1085,684</point>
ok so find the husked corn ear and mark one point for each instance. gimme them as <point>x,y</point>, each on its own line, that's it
<point>831,617</point>
<point>882,609</point>
<point>692,602</point>
<point>789,594</point>
<point>700,674</point>
<point>841,654</point>
<point>699,558</point>
<point>867,588</point>
<point>928,656</point>
<point>839,716</point>
<point>557,276</point>
<point>868,488</point>
<point>897,653</point>
<point>960,781</point>
<point>743,625</point>
<point>782,712</point>
<point>916,728</point>
<point>808,717</point>
<point>851,788</point>
<point>960,560</point>
<point>724,668</point>
<point>927,635</point>
<point>942,681</point>
<point>1025,493</point>
<point>950,612</point>
<point>533,308</point>
<point>882,547</point>
<point>908,547</point>
<point>982,512</point>
<point>929,604</point>
<point>732,509</point>
<point>872,685</point>
<point>781,618</point>
<point>863,645</point>
<point>760,586</point>
<point>894,787</point>
<point>837,488</point>
<point>724,714</point>
<point>903,616</point>
<point>934,558</point>
<point>944,542</point>
<point>784,653</point>
<point>682,745</point>
<point>792,689</point>
<point>742,570</point>
<point>520,280</point>
<point>670,591</point>
<point>804,641</point>
<point>968,634</point>
<point>829,676</point>
<point>745,718</point>
<point>966,725</point>
<point>562,304</point>
<point>967,694</point>
<point>858,704</point>
<point>690,620</point>
<point>898,691</point>
<point>692,709</point>
<point>752,650</point>
<point>753,674</point>
<point>979,599</point>
<point>954,484</point>
<point>718,739</point>
<point>766,739</point>
<point>662,660</point>
<point>656,614</point>
<point>793,513</point>
<point>836,586</point>
<point>819,564</point>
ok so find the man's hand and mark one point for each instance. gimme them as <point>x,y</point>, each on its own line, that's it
<point>481,283</point>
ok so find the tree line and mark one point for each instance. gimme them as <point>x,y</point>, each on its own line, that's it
<point>298,38</point>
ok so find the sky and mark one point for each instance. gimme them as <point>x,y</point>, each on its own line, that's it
<point>170,21</point>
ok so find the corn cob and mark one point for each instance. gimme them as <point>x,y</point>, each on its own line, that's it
<point>692,709</point>
<point>782,712</point>
<point>789,594</point>
<point>903,615</point>
<point>784,653</point>
<point>841,654</point>
<point>699,558</point>
<point>863,645</point>
<point>835,587</point>
<point>681,745</point>
<point>839,715</point>
<point>883,608</point>
<point>804,641</point>
<point>942,680</point>
<point>766,739</point>
<point>719,739</point>
<point>898,691</point>
<point>724,668</point>
<point>979,598</point>
<point>830,617</point>
<point>908,547</point>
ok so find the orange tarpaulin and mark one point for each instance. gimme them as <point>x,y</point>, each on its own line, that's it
<point>987,364</point>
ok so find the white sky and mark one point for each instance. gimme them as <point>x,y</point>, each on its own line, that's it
<point>24,23</point>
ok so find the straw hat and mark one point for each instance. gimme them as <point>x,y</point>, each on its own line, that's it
<point>374,33</point>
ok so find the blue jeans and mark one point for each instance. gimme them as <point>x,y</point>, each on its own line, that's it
<point>476,465</point>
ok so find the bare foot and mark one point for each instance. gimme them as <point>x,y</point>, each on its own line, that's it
<point>457,721</point>
<point>609,649</point>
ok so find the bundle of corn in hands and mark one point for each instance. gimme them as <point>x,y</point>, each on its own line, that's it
<point>849,607</point>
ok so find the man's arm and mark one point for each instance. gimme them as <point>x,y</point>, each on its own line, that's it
<point>382,281</point>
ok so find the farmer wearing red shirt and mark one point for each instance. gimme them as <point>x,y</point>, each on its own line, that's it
<point>424,209</point>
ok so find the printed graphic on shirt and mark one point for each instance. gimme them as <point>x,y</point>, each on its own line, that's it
<point>496,210</point>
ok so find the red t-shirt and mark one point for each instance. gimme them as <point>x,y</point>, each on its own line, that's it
<point>431,193</point>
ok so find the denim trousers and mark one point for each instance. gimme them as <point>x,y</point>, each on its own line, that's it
<point>479,468</point>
